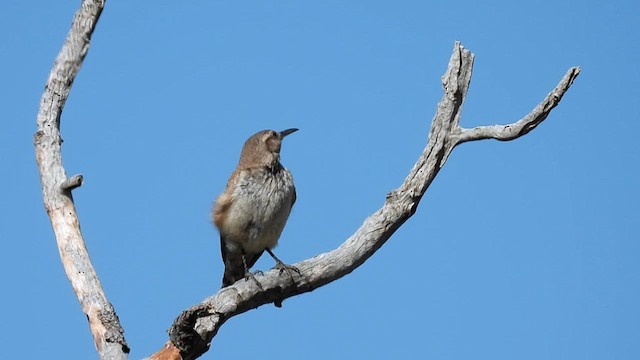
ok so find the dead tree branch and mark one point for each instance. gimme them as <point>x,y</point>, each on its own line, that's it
<point>107,332</point>
<point>527,123</point>
<point>191,333</point>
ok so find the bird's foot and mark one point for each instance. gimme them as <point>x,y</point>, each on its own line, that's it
<point>282,267</point>
<point>249,275</point>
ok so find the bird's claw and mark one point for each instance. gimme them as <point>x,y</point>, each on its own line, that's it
<point>282,267</point>
<point>258,272</point>
<point>249,275</point>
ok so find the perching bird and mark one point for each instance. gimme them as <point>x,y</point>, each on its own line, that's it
<point>254,207</point>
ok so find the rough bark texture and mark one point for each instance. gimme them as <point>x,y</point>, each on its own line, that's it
<point>107,333</point>
<point>192,331</point>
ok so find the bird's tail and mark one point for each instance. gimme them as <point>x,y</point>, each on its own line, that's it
<point>234,267</point>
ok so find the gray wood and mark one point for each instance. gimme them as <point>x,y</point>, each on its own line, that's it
<point>105,327</point>
<point>193,330</point>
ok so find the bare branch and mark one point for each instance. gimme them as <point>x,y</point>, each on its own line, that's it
<point>107,332</point>
<point>192,331</point>
<point>527,123</point>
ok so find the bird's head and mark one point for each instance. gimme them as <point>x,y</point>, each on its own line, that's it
<point>263,148</point>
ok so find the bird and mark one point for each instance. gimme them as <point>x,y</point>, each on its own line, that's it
<point>253,209</point>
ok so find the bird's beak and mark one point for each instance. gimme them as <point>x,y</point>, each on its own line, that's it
<point>284,133</point>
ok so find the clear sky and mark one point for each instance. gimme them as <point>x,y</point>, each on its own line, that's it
<point>521,250</point>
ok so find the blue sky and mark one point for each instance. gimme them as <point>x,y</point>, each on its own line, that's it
<point>520,250</point>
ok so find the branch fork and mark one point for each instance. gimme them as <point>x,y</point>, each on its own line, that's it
<point>445,134</point>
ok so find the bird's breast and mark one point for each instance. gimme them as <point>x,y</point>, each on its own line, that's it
<point>261,203</point>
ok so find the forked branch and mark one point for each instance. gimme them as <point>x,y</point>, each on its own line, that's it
<point>191,333</point>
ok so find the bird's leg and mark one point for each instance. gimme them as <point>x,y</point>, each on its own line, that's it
<point>282,266</point>
<point>248,275</point>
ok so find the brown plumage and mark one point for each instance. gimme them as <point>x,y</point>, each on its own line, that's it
<point>251,212</point>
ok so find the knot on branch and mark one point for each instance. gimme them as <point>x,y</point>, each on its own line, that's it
<point>115,333</point>
<point>37,138</point>
<point>183,334</point>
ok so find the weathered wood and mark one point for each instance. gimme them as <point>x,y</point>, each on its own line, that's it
<point>105,327</point>
<point>527,123</point>
<point>72,183</point>
<point>192,331</point>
